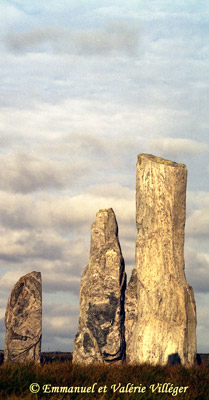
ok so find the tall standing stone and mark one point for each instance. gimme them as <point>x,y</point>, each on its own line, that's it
<point>165,330</point>
<point>100,336</point>
<point>23,320</point>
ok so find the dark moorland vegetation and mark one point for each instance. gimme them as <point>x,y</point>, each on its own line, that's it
<point>15,380</point>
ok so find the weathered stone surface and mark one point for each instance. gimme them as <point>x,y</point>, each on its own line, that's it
<point>130,312</point>
<point>165,330</point>
<point>100,336</point>
<point>23,320</point>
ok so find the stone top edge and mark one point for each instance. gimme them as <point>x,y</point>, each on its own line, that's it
<point>159,160</point>
<point>103,210</point>
<point>32,273</point>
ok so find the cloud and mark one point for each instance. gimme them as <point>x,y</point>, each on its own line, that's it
<point>8,280</point>
<point>60,260</point>
<point>4,141</point>
<point>2,333</point>
<point>202,302</point>
<point>83,145</point>
<point>21,172</point>
<point>197,224</point>
<point>16,246</point>
<point>54,238</point>
<point>68,213</point>
<point>2,308</point>
<point>88,118</point>
<point>11,15</point>
<point>60,320</point>
<point>57,277</point>
<point>197,269</point>
<point>54,281</point>
<point>198,199</point>
<point>61,309</point>
<point>60,324</point>
<point>107,153</point>
<point>171,147</point>
<point>27,41</point>
<point>115,38</point>
<point>52,234</point>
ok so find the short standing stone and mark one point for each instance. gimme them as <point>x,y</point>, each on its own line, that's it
<point>100,336</point>
<point>165,329</point>
<point>23,320</point>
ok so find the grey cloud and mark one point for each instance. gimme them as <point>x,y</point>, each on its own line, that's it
<point>79,124</point>
<point>198,216</point>
<point>4,141</point>
<point>198,199</point>
<point>40,233</point>
<point>61,327</point>
<point>2,326</point>
<point>61,309</point>
<point>21,172</point>
<point>197,269</point>
<point>9,278</point>
<point>60,319</point>
<point>52,234</point>
<point>48,251</point>
<point>202,301</point>
<point>60,273</point>
<point>202,317</point>
<point>2,323</point>
<point>121,38</point>
<point>198,223</point>
<point>112,190</point>
<point>69,213</point>
<point>60,323</point>
<point>2,304</point>
<point>54,282</point>
<point>117,37</point>
<point>2,333</point>
<point>101,147</point>
<point>2,308</point>
<point>171,147</point>
<point>27,41</point>
<point>86,142</point>
<point>47,245</point>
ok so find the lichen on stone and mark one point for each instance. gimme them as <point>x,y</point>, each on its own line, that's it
<point>159,160</point>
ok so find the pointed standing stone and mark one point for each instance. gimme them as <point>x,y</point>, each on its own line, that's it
<point>165,330</point>
<point>23,320</point>
<point>100,336</point>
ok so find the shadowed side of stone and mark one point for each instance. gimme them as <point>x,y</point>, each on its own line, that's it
<point>130,311</point>
<point>165,330</point>
<point>23,320</point>
<point>100,336</point>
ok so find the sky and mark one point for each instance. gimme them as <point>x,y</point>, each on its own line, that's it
<point>86,86</point>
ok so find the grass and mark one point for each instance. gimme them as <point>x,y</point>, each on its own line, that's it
<point>15,380</point>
